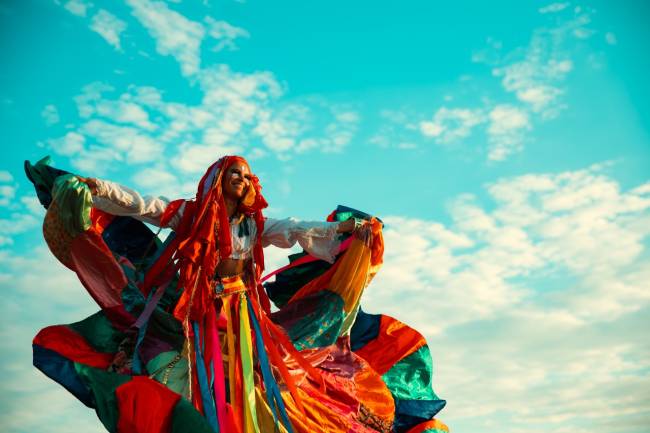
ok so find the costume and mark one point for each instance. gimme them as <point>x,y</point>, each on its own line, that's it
<point>178,348</point>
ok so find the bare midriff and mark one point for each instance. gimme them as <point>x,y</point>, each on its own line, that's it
<point>228,267</point>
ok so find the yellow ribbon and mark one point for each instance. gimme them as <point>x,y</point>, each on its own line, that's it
<point>246,351</point>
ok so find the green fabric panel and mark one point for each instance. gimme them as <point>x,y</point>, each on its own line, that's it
<point>343,216</point>
<point>99,333</point>
<point>178,376</point>
<point>434,430</point>
<point>410,378</point>
<point>103,385</point>
<point>41,173</point>
<point>74,202</point>
<point>185,419</point>
<point>320,325</point>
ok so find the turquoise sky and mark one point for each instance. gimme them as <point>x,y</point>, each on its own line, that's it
<point>504,143</point>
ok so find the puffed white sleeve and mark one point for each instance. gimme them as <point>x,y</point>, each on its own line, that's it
<point>318,238</point>
<point>120,200</point>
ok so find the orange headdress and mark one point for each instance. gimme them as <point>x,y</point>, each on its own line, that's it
<point>203,239</point>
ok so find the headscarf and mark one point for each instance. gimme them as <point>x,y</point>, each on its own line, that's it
<point>203,239</point>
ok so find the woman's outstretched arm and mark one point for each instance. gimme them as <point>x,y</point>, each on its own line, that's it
<point>319,238</point>
<point>120,200</point>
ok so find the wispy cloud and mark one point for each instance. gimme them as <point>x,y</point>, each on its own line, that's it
<point>574,223</point>
<point>34,300</point>
<point>104,23</point>
<point>450,125</point>
<point>109,27</point>
<point>50,115</point>
<point>534,74</point>
<point>553,7</point>
<point>78,7</point>
<point>225,34</point>
<point>175,34</point>
<point>530,293</point>
<point>507,127</point>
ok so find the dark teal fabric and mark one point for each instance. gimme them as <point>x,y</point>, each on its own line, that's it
<point>313,321</point>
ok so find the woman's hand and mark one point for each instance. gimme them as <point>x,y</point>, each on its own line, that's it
<point>346,226</point>
<point>91,182</point>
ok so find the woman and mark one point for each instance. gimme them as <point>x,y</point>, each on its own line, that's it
<point>193,316</point>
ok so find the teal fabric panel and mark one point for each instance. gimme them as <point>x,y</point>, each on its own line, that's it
<point>313,321</point>
<point>103,385</point>
<point>99,333</point>
<point>410,378</point>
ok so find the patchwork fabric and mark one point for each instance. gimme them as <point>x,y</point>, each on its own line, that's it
<point>319,363</point>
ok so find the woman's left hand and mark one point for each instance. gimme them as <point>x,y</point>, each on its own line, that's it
<point>346,226</point>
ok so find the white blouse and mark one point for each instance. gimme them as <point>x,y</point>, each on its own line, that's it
<point>318,238</point>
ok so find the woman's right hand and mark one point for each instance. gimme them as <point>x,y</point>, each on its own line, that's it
<point>91,182</point>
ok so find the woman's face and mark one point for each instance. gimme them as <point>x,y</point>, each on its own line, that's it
<point>236,180</point>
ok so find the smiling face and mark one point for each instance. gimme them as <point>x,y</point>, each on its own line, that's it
<point>236,180</point>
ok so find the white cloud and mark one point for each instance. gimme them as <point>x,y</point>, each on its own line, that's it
<point>124,112</point>
<point>224,33</point>
<point>70,144</point>
<point>175,35</point>
<point>539,297</point>
<point>537,77</point>
<point>7,193</point>
<point>610,38</point>
<point>577,224</point>
<point>38,292</point>
<point>135,146</point>
<point>50,114</point>
<point>78,7</point>
<point>109,27</point>
<point>506,131</point>
<point>194,158</point>
<point>534,73</point>
<point>5,176</point>
<point>452,124</point>
<point>553,8</point>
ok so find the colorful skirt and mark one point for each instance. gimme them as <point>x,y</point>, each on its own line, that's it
<point>317,364</point>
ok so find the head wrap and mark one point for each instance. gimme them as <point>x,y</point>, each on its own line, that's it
<point>203,240</point>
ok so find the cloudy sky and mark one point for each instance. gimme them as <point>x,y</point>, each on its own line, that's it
<point>504,143</point>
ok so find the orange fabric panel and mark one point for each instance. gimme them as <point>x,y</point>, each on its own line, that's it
<point>394,342</point>
<point>373,393</point>
<point>433,424</point>
<point>100,220</point>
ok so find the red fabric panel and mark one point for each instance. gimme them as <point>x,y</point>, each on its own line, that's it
<point>73,346</point>
<point>145,406</point>
<point>97,269</point>
<point>394,342</point>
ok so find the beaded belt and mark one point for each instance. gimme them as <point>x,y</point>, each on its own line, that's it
<point>226,286</point>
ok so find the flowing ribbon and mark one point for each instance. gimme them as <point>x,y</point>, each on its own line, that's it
<point>204,386</point>
<point>246,351</point>
<point>273,395</point>
<point>217,371</point>
<point>141,325</point>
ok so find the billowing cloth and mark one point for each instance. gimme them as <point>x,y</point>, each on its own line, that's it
<point>317,364</point>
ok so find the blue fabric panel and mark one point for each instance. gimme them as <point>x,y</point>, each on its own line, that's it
<point>365,329</point>
<point>130,238</point>
<point>409,413</point>
<point>206,393</point>
<point>62,370</point>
